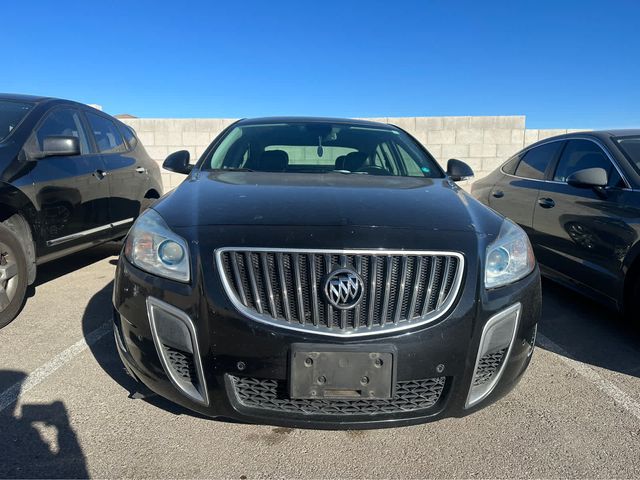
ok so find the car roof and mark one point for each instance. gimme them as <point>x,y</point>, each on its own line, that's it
<point>288,119</point>
<point>24,98</point>
<point>599,134</point>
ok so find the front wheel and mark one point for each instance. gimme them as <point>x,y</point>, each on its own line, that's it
<point>13,276</point>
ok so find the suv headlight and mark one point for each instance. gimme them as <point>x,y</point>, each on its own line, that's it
<point>509,257</point>
<point>154,248</point>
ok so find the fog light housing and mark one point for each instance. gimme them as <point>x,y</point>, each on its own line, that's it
<point>174,336</point>
<point>496,343</point>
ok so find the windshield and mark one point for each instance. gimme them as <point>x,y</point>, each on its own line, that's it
<point>11,114</point>
<point>630,146</point>
<point>321,148</point>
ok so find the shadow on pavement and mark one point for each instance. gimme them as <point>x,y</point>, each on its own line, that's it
<point>38,441</point>
<point>588,332</point>
<point>107,356</point>
<point>58,268</point>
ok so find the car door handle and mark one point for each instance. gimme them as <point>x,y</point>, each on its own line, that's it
<point>497,193</point>
<point>546,203</point>
<point>141,170</point>
<point>100,174</point>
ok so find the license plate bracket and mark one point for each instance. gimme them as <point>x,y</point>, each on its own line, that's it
<point>320,371</point>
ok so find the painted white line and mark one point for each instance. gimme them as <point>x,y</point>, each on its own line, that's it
<point>605,386</point>
<point>14,392</point>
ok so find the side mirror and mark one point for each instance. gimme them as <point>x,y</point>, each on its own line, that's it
<point>588,178</point>
<point>178,162</point>
<point>59,146</point>
<point>457,170</point>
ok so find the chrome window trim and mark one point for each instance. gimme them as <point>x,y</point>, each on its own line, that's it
<point>197,359</point>
<point>552,140</point>
<point>268,320</point>
<point>84,233</point>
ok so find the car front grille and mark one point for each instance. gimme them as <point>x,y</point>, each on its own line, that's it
<point>285,287</point>
<point>270,394</point>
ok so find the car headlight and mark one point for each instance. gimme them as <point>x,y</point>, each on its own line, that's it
<point>509,257</point>
<point>154,248</point>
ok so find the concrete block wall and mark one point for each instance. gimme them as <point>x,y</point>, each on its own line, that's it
<point>163,136</point>
<point>483,142</point>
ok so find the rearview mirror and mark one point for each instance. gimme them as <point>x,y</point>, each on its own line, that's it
<point>457,170</point>
<point>59,146</point>
<point>588,178</point>
<point>178,162</point>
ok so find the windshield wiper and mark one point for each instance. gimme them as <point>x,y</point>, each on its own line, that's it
<point>232,169</point>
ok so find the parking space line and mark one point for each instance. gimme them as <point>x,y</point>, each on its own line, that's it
<point>605,386</point>
<point>11,395</point>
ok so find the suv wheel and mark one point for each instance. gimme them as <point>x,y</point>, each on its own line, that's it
<point>13,276</point>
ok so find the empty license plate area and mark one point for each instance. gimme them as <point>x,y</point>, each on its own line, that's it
<point>337,372</point>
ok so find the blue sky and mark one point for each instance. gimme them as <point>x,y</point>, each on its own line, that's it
<point>564,64</point>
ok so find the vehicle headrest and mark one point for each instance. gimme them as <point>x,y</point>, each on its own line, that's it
<point>273,161</point>
<point>354,161</point>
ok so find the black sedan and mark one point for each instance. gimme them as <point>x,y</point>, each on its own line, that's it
<point>70,177</point>
<point>324,273</point>
<point>578,198</point>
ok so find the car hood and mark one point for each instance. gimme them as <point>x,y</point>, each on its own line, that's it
<point>281,199</point>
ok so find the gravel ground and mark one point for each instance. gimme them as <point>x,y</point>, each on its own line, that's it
<point>575,414</point>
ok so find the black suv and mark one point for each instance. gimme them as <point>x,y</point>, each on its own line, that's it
<point>70,177</point>
<point>325,273</point>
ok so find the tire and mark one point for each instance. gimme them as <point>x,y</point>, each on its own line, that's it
<point>13,276</point>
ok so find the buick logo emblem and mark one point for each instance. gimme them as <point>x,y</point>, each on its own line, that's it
<point>343,288</point>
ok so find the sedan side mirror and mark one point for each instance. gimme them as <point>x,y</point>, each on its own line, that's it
<point>588,178</point>
<point>178,162</point>
<point>457,170</point>
<point>59,146</point>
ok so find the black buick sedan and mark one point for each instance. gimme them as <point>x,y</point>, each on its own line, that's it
<point>324,273</point>
<point>577,196</point>
<point>70,177</point>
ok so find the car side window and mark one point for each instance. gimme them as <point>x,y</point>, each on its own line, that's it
<point>63,122</point>
<point>413,169</point>
<point>535,161</point>
<point>581,154</point>
<point>107,136</point>
<point>384,158</point>
<point>129,136</point>
<point>511,165</point>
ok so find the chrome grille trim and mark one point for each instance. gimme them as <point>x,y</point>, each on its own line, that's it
<point>281,287</point>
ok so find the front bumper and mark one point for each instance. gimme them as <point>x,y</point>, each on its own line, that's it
<point>245,365</point>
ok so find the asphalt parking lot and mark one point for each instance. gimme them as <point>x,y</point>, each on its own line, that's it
<point>65,409</point>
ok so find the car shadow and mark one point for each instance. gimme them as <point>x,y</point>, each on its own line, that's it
<point>105,353</point>
<point>575,326</point>
<point>36,440</point>
<point>58,268</point>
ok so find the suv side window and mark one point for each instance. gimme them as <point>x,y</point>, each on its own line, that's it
<point>107,136</point>
<point>581,154</point>
<point>129,136</point>
<point>535,161</point>
<point>63,121</point>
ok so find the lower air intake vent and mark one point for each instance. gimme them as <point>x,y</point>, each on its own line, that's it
<point>496,341</point>
<point>182,364</point>
<point>268,394</point>
<point>488,366</point>
<point>174,336</point>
